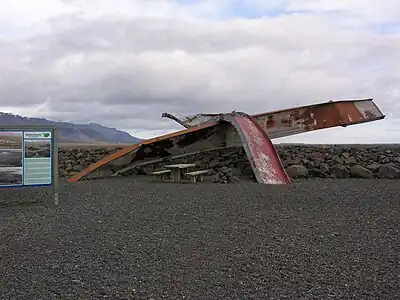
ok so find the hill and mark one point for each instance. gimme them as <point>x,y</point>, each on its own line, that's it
<point>74,133</point>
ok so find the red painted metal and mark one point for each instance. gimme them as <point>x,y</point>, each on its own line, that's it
<point>262,154</point>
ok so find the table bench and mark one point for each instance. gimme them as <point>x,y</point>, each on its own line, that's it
<point>197,175</point>
<point>161,174</point>
<point>176,170</point>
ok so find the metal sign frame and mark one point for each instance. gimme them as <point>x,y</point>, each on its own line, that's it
<point>53,154</point>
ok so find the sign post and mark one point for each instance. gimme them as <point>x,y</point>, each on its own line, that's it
<point>29,157</point>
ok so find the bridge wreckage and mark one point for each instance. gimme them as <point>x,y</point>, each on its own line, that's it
<point>254,133</point>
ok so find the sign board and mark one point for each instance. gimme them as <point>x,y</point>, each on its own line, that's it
<point>28,157</point>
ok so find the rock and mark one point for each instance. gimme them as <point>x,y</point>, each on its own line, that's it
<point>234,179</point>
<point>216,178</point>
<point>350,161</point>
<point>317,173</point>
<point>396,160</point>
<point>77,168</point>
<point>228,154</point>
<point>338,160</point>
<point>388,171</point>
<point>340,171</point>
<point>358,171</point>
<point>62,173</point>
<point>373,167</point>
<point>225,175</point>
<point>148,169</point>
<point>293,162</point>
<point>318,162</point>
<point>297,171</point>
<point>248,171</point>
<point>241,165</point>
<point>324,168</point>
<point>236,172</point>
<point>316,155</point>
<point>310,165</point>
<point>346,155</point>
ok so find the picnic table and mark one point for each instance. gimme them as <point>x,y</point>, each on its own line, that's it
<point>176,170</point>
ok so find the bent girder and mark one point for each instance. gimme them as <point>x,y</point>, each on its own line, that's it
<point>302,119</point>
<point>263,157</point>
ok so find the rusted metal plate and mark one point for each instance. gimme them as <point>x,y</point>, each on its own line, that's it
<point>299,120</point>
<point>314,117</point>
<point>262,154</point>
<point>356,112</point>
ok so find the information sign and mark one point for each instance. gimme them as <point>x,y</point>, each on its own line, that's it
<point>28,157</point>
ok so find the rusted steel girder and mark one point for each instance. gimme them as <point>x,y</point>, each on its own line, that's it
<point>297,120</point>
<point>262,154</point>
<point>214,133</point>
<point>263,157</point>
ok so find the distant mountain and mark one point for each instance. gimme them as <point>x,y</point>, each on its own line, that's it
<point>74,133</point>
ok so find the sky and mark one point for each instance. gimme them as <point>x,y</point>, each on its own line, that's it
<point>122,63</point>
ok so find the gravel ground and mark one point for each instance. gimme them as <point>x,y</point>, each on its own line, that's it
<point>118,239</point>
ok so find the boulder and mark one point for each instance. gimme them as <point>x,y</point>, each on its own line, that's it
<point>358,171</point>
<point>388,171</point>
<point>297,171</point>
<point>350,161</point>
<point>317,173</point>
<point>373,167</point>
<point>340,171</point>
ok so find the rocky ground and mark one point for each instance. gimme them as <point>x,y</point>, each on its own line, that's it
<point>10,166</point>
<point>300,161</point>
<point>37,152</point>
<point>10,158</point>
<point>120,239</point>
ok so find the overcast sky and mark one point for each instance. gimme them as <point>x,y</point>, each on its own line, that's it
<point>121,63</point>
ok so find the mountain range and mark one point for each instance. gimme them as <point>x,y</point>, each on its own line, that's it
<point>74,133</point>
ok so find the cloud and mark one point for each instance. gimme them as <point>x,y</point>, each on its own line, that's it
<point>123,63</point>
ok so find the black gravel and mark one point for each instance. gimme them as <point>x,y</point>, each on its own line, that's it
<point>118,239</point>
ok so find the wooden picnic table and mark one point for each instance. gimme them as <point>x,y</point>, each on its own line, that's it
<point>176,170</point>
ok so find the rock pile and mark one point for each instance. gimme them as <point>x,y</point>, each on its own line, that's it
<point>305,161</point>
<point>341,161</point>
<point>225,175</point>
<point>71,161</point>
